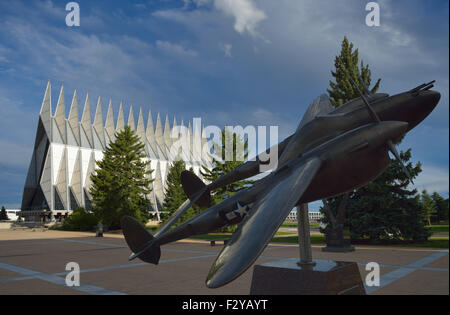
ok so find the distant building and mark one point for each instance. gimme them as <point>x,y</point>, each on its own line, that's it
<point>13,214</point>
<point>314,217</point>
<point>66,150</point>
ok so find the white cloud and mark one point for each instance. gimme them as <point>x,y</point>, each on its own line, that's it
<point>226,48</point>
<point>176,49</point>
<point>247,16</point>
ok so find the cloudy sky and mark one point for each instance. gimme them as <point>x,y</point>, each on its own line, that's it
<point>247,62</point>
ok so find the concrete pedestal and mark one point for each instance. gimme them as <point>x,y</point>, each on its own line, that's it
<point>326,277</point>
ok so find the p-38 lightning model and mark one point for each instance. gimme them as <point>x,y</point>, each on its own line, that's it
<point>333,151</point>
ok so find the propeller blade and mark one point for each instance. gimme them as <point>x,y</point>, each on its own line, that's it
<point>375,117</point>
<point>397,156</point>
<point>364,86</point>
<point>372,113</point>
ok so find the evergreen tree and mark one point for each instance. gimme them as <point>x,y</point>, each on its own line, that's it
<point>175,195</point>
<point>386,209</point>
<point>223,166</point>
<point>429,206</point>
<point>346,64</point>
<point>3,214</point>
<point>341,92</point>
<point>121,183</point>
<point>441,206</point>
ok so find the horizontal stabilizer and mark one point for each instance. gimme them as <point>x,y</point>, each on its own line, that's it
<point>137,237</point>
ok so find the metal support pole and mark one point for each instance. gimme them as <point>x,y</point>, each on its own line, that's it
<point>304,238</point>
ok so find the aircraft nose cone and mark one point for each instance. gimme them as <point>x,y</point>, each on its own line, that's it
<point>430,98</point>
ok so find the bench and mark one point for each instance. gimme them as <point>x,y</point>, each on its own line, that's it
<point>213,242</point>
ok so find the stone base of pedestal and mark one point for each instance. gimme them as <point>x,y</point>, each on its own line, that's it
<point>285,277</point>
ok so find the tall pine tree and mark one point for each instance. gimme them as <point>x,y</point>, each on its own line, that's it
<point>346,64</point>
<point>224,165</point>
<point>175,195</point>
<point>385,208</point>
<point>121,182</point>
<point>341,92</point>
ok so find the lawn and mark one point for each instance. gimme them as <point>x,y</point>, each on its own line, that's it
<point>442,229</point>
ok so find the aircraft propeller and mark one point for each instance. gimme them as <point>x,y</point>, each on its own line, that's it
<point>376,118</point>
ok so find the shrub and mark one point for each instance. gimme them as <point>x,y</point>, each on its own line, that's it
<point>80,220</point>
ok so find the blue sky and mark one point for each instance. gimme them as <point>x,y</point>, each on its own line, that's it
<point>247,62</point>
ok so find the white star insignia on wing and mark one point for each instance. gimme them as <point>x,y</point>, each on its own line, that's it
<point>241,210</point>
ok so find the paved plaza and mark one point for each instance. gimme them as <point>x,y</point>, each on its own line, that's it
<point>34,263</point>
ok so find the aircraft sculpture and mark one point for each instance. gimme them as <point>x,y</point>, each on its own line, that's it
<point>333,151</point>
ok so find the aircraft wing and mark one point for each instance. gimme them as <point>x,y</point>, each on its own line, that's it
<point>263,220</point>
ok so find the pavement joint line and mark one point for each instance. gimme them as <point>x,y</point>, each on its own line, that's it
<point>86,288</point>
<point>403,271</point>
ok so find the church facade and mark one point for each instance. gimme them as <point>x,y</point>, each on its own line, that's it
<point>66,150</point>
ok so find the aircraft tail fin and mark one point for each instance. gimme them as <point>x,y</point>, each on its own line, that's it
<point>195,189</point>
<point>138,238</point>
